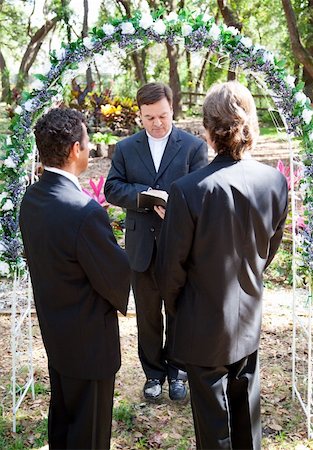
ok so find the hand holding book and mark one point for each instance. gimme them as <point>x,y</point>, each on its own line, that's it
<point>152,197</point>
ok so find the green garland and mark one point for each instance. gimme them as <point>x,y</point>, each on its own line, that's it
<point>196,32</point>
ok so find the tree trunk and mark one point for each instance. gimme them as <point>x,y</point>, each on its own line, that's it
<point>202,70</point>
<point>139,63</point>
<point>229,16</point>
<point>89,78</point>
<point>66,18</point>
<point>172,54</point>
<point>5,81</point>
<point>138,57</point>
<point>302,54</point>
<point>231,20</point>
<point>32,51</point>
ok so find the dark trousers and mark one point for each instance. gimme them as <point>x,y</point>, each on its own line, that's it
<point>150,324</point>
<point>80,413</point>
<point>226,405</point>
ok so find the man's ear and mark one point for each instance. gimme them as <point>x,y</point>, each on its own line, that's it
<point>74,152</point>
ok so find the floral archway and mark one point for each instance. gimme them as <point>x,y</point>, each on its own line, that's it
<point>196,33</point>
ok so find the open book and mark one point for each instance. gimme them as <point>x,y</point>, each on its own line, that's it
<point>152,197</point>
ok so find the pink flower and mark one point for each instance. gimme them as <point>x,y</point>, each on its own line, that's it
<point>285,170</point>
<point>96,192</point>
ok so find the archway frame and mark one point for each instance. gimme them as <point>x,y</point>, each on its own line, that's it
<point>195,32</point>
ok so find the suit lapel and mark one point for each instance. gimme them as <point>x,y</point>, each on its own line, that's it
<point>144,152</point>
<point>172,148</point>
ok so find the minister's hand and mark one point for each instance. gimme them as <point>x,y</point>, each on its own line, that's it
<point>160,211</point>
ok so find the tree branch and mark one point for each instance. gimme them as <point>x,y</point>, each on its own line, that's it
<point>300,52</point>
<point>230,18</point>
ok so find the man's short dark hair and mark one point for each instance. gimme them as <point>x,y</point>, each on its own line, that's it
<point>153,92</point>
<point>55,134</point>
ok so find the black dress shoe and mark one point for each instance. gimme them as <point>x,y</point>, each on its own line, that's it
<point>177,390</point>
<point>152,389</point>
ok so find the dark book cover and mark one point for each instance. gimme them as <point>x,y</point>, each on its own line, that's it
<point>152,197</point>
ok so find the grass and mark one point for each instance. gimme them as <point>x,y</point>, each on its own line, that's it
<point>124,413</point>
<point>28,435</point>
<point>138,425</point>
<point>268,131</point>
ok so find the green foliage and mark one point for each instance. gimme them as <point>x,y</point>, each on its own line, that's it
<point>279,272</point>
<point>124,413</point>
<point>34,437</point>
<point>103,110</point>
<point>117,219</point>
<point>40,388</point>
<point>104,138</point>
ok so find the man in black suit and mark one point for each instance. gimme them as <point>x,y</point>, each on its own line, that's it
<point>154,158</point>
<point>222,227</point>
<point>80,278</point>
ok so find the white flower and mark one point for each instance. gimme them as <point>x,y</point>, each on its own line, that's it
<point>234,31</point>
<point>21,264</point>
<point>214,32</point>
<point>301,98</point>
<point>88,43</point>
<point>186,29</point>
<point>9,163</point>
<point>206,17</point>
<point>60,53</point>
<point>290,80</point>
<point>246,41</point>
<point>29,105</point>
<point>4,268</point>
<point>9,140</point>
<point>159,27</point>
<point>8,206</point>
<point>172,17</point>
<point>127,28</point>
<point>311,136</point>
<point>18,110</point>
<point>108,29</point>
<point>146,21</point>
<point>58,98</point>
<point>307,115</point>
<point>257,47</point>
<point>3,196</point>
<point>38,85</point>
<point>2,247</point>
<point>268,57</point>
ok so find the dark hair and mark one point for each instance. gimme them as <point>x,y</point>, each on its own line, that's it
<point>229,115</point>
<point>153,92</point>
<point>55,134</point>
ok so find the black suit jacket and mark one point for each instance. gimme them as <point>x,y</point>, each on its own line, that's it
<point>133,171</point>
<point>80,277</point>
<point>222,227</point>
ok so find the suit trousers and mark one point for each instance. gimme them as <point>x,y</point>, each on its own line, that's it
<point>80,413</point>
<point>150,324</point>
<point>226,405</point>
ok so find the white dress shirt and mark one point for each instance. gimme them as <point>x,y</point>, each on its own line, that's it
<point>157,147</point>
<point>66,174</point>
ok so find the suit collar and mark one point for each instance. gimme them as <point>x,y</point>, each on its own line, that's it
<point>225,159</point>
<point>66,174</point>
<point>172,147</point>
<point>56,178</point>
<point>144,152</point>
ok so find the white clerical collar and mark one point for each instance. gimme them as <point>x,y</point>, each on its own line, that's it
<point>159,139</point>
<point>66,174</point>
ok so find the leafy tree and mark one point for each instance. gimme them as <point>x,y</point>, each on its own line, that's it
<point>17,31</point>
<point>301,33</point>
